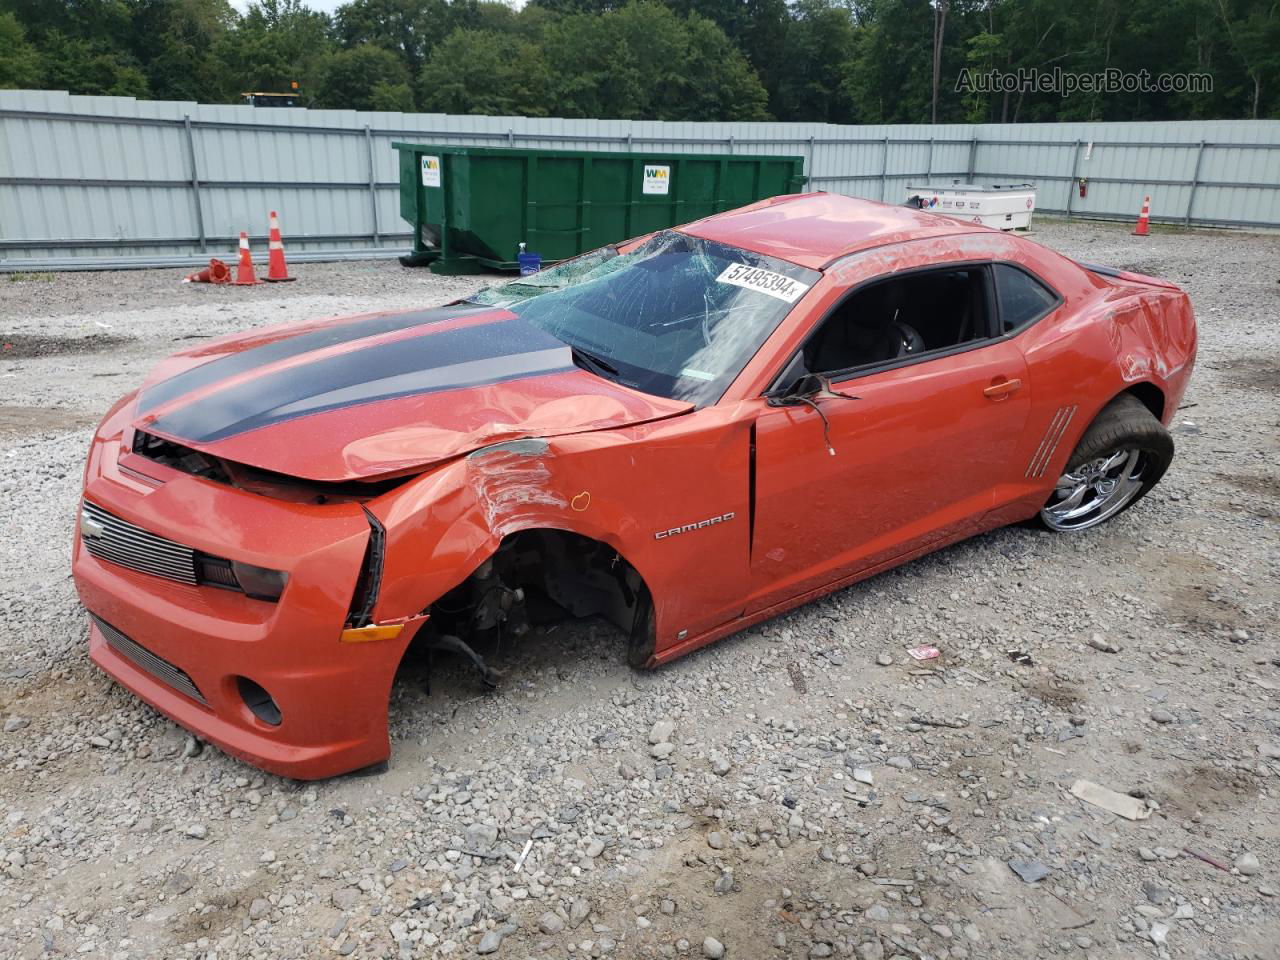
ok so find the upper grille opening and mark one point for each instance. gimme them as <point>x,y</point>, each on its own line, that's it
<point>266,483</point>
<point>179,457</point>
<point>118,541</point>
<point>110,538</point>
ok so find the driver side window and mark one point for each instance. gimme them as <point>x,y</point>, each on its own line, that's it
<point>897,319</point>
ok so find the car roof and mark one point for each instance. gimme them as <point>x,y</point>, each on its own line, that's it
<point>813,229</point>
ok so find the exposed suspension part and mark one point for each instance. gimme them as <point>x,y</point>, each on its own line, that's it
<point>538,576</point>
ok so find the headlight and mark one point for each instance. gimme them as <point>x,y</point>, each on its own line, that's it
<point>259,582</point>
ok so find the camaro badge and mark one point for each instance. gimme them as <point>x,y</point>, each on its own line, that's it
<point>709,522</point>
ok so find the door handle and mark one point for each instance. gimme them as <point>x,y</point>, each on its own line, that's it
<point>1001,389</point>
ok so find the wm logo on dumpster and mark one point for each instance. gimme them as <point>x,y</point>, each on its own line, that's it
<point>431,171</point>
<point>657,178</point>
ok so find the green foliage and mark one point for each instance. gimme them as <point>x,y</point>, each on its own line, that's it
<point>819,42</point>
<point>841,61</point>
<point>644,62</point>
<point>717,80</point>
<point>890,75</point>
<point>1252,29</point>
<point>20,66</point>
<point>366,77</point>
<point>484,72</point>
<point>757,27</point>
<point>409,28</point>
<point>85,66</point>
<point>983,53</point>
<point>174,45</point>
<point>275,43</point>
<point>391,97</point>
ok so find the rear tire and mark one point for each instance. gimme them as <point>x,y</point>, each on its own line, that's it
<point>1122,455</point>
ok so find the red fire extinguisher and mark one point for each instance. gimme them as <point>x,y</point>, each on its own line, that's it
<point>1084,187</point>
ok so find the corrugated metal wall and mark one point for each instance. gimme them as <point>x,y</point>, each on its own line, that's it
<point>89,180</point>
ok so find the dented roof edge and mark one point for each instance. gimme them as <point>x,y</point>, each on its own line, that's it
<point>814,230</point>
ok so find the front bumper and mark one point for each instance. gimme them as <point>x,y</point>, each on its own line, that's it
<point>332,696</point>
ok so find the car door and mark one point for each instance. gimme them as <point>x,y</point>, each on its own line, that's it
<point>912,460</point>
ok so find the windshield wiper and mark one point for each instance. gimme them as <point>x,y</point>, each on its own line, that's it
<point>589,361</point>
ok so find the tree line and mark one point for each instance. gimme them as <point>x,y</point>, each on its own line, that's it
<point>838,61</point>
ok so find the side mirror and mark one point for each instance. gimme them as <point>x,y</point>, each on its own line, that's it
<point>806,389</point>
<point>810,385</point>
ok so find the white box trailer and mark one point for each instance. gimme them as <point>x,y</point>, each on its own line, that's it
<point>1006,206</point>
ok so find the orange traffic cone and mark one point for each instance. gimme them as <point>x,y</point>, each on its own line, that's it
<point>1143,229</point>
<point>244,270</point>
<point>277,272</point>
<point>215,272</point>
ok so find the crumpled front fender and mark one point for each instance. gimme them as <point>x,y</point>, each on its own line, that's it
<point>446,524</point>
<point>624,488</point>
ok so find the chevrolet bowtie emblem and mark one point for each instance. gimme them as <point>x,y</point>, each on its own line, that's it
<point>90,527</point>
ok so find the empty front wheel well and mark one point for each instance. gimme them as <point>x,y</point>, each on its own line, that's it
<point>539,576</point>
<point>1151,396</point>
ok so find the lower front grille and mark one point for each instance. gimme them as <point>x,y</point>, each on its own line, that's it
<point>144,659</point>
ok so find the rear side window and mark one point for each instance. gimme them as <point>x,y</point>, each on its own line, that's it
<point>1023,298</point>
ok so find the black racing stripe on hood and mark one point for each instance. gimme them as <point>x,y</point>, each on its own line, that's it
<point>232,364</point>
<point>464,357</point>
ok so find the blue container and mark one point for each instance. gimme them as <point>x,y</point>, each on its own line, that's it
<point>529,263</point>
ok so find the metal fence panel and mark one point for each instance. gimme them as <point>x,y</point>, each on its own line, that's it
<point>109,180</point>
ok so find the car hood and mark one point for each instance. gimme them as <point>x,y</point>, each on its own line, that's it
<point>379,394</point>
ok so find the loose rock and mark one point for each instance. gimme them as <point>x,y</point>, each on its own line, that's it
<point>661,731</point>
<point>550,923</point>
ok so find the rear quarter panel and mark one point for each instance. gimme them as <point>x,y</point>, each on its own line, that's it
<point>1153,330</point>
<point>1106,338</point>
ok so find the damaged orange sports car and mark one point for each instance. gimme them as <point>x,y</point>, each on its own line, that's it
<point>683,434</point>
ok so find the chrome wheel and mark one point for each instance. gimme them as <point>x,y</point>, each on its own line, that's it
<point>1094,491</point>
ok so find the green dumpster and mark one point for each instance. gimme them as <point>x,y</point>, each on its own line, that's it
<point>472,207</point>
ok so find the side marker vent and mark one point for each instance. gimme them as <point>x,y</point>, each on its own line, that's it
<point>1049,442</point>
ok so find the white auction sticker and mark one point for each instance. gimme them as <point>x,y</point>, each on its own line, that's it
<point>697,374</point>
<point>431,171</point>
<point>657,179</point>
<point>763,281</point>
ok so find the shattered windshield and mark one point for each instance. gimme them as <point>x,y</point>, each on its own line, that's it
<point>678,316</point>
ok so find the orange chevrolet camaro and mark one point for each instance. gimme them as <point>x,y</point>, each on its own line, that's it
<point>684,434</point>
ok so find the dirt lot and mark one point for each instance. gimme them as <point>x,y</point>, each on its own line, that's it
<point>822,794</point>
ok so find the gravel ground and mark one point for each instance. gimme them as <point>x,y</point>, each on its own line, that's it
<point>804,789</point>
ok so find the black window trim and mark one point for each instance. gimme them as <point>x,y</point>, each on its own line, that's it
<point>778,383</point>
<point>1058,300</point>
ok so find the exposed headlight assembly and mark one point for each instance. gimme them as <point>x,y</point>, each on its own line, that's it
<point>260,583</point>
